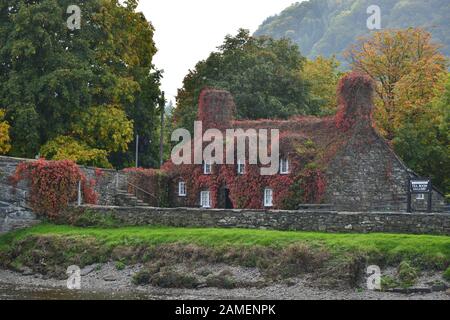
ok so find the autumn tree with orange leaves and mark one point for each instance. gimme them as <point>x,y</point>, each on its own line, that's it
<point>412,103</point>
<point>408,69</point>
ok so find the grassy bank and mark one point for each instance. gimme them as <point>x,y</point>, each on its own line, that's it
<point>48,248</point>
<point>435,249</point>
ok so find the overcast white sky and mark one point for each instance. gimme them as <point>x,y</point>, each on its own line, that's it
<point>188,30</point>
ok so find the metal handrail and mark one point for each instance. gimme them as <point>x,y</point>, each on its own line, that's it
<point>136,188</point>
<point>144,191</point>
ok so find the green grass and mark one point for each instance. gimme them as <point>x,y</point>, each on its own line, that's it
<point>423,247</point>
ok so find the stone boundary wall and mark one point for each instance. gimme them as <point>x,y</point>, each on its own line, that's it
<point>330,221</point>
<point>7,194</point>
<point>106,183</point>
<point>13,217</point>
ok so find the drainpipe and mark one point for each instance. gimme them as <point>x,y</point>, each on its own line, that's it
<point>79,200</point>
<point>137,150</point>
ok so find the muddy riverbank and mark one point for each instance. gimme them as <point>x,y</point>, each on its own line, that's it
<point>105,282</point>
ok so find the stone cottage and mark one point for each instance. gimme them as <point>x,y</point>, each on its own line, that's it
<point>339,160</point>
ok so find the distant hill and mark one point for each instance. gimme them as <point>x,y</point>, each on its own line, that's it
<point>327,27</point>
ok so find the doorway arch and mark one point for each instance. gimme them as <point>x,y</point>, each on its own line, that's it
<point>224,200</point>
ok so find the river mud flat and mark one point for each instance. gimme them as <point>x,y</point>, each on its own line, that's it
<point>105,282</point>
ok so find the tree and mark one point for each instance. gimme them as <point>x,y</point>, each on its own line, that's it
<point>68,148</point>
<point>412,105</point>
<point>263,75</point>
<point>168,129</point>
<point>323,75</point>
<point>50,75</point>
<point>105,127</point>
<point>45,72</point>
<point>128,52</point>
<point>406,66</point>
<point>424,141</point>
<point>5,145</point>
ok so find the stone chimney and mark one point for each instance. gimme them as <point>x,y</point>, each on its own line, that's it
<point>355,94</point>
<point>216,108</point>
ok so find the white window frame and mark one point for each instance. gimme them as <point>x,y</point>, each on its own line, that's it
<point>205,199</point>
<point>182,189</point>
<point>207,169</point>
<point>420,196</point>
<point>240,167</point>
<point>268,197</point>
<point>284,169</point>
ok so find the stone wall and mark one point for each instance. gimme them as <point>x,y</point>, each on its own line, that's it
<point>15,196</point>
<point>368,175</point>
<point>106,183</point>
<point>360,174</point>
<point>13,217</point>
<point>363,222</point>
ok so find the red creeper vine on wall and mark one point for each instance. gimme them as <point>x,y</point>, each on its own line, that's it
<point>53,185</point>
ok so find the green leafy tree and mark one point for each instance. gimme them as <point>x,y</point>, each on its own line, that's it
<point>423,141</point>
<point>50,75</point>
<point>46,72</point>
<point>128,52</point>
<point>263,75</point>
<point>168,129</point>
<point>105,127</point>
<point>323,75</point>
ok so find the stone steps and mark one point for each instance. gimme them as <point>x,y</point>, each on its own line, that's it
<point>125,199</point>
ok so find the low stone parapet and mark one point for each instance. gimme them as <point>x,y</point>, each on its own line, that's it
<point>323,221</point>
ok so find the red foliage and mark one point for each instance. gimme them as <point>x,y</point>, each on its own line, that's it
<point>246,191</point>
<point>342,122</point>
<point>216,108</point>
<point>53,184</point>
<point>310,143</point>
<point>313,184</point>
<point>355,92</point>
<point>99,173</point>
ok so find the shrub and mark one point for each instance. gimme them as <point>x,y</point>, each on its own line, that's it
<point>204,272</point>
<point>297,259</point>
<point>120,265</point>
<point>5,140</point>
<point>173,279</point>
<point>446,275</point>
<point>407,274</point>
<point>388,282</point>
<point>164,278</point>
<point>142,277</point>
<point>221,281</point>
<point>145,275</point>
<point>343,270</point>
